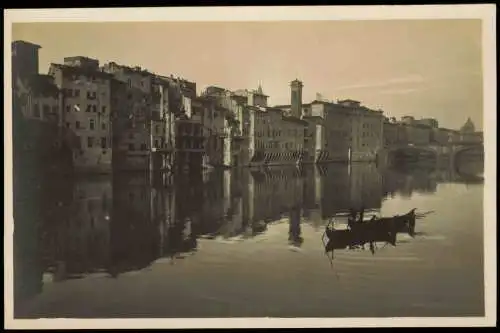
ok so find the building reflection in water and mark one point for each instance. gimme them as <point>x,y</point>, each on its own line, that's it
<point>125,222</point>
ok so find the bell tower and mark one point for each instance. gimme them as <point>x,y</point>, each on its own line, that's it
<point>296,98</point>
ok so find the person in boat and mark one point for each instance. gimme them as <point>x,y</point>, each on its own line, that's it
<point>351,219</point>
<point>361,214</point>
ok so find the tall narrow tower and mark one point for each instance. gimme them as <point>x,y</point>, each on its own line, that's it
<point>296,102</point>
<point>24,59</point>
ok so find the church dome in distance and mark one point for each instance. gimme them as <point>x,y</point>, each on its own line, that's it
<point>468,127</point>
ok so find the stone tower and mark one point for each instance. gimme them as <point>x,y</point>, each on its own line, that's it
<point>24,59</point>
<point>296,98</point>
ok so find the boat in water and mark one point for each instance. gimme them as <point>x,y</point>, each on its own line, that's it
<point>373,224</point>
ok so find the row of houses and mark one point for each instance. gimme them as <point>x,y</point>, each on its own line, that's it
<point>114,117</point>
<point>424,132</point>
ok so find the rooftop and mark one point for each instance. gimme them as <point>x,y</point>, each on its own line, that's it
<point>129,69</point>
<point>25,43</point>
<point>273,109</point>
<point>215,88</point>
<point>295,120</point>
<point>42,84</point>
<point>245,92</point>
<point>82,71</point>
<point>256,92</point>
<point>349,102</point>
<point>289,105</point>
<point>80,58</point>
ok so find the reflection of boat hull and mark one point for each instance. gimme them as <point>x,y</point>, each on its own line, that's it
<point>341,239</point>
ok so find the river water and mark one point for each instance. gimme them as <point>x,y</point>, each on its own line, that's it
<point>248,244</point>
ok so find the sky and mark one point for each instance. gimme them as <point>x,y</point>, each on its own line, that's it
<point>422,68</point>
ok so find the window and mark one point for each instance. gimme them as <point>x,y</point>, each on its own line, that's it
<point>90,141</point>
<point>131,146</point>
<point>77,93</point>
<point>103,126</point>
<point>129,81</point>
<point>92,124</point>
<point>77,124</point>
<point>36,110</point>
<point>157,129</point>
<point>70,92</point>
<point>104,109</point>
<point>157,144</point>
<point>143,146</point>
<point>94,108</point>
<point>68,125</point>
<point>67,108</point>
<point>88,108</point>
<point>103,142</point>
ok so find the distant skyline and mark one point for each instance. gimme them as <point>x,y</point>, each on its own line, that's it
<point>422,68</point>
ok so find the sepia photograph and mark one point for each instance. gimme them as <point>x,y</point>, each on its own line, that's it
<point>327,163</point>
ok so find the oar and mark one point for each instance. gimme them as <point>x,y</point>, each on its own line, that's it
<point>420,215</point>
<point>336,272</point>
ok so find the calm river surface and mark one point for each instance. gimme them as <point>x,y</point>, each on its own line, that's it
<point>243,244</point>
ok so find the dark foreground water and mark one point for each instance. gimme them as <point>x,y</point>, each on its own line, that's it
<point>241,243</point>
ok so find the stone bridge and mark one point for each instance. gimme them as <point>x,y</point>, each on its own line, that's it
<point>449,152</point>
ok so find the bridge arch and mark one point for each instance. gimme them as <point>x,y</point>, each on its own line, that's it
<point>458,152</point>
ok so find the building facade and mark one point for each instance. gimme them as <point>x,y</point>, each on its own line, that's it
<point>394,133</point>
<point>40,99</point>
<point>274,138</point>
<point>350,131</point>
<point>139,128</point>
<point>418,135</point>
<point>429,122</point>
<point>86,112</point>
<point>313,138</point>
<point>213,120</point>
<point>440,136</point>
<point>37,117</point>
